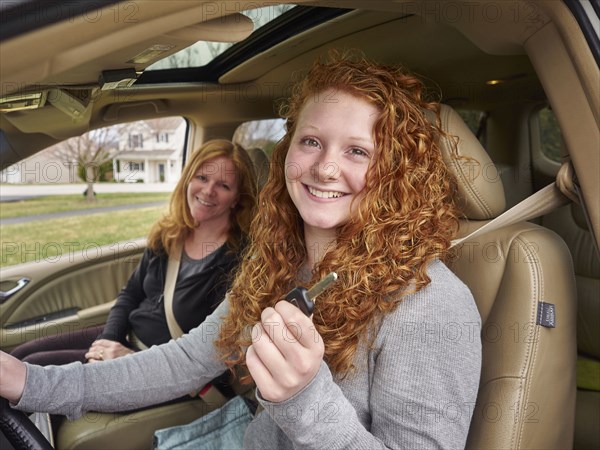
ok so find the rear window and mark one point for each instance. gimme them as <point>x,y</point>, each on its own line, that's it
<point>550,135</point>
<point>476,121</point>
<point>263,134</point>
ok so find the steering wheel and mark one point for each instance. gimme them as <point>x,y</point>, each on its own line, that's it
<point>19,430</point>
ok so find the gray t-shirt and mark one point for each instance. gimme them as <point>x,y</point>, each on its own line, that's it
<point>415,387</point>
<point>190,266</point>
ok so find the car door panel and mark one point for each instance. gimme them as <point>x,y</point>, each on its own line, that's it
<point>71,294</point>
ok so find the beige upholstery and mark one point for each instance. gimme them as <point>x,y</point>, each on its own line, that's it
<point>126,431</point>
<point>570,223</point>
<point>480,186</point>
<point>134,430</point>
<point>527,391</point>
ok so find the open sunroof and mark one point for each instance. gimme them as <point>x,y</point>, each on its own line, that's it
<point>275,29</point>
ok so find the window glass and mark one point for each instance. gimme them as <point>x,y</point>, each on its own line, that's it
<point>203,52</point>
<point>263,134</point>
<point>550,136</point>
<point>476,121</point>
<point>89,191</point>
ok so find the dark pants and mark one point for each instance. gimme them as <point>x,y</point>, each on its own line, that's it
<point>60,349</point>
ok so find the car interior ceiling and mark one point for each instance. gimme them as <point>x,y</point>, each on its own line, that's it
<point>272,69</point>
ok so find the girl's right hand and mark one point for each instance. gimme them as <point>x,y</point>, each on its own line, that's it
<point>286,352</point>
<point>12,377</point>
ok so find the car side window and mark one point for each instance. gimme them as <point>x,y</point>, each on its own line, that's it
<point>547,145</point>
<point>476,120</point>
<point>103,188</point>
<point>550,136</point>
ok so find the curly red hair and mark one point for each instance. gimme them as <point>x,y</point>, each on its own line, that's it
<point>405,219</point>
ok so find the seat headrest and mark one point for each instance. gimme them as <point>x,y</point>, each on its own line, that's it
<point>479,184</point>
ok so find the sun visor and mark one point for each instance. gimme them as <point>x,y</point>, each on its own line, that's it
<point>232,28</point>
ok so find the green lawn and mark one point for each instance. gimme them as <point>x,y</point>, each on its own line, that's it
<point>59,203</point>
<point>43,240</point>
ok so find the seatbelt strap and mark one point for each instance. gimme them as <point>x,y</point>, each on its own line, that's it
<point>562,192</point>
<point>209,393</point>
<point>170,281</point>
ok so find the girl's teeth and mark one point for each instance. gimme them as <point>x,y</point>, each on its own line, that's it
<point>324,194</point>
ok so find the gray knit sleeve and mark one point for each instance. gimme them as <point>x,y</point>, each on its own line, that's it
<point>415,387</point>
<point>144,378</point>
<point>426,375</point>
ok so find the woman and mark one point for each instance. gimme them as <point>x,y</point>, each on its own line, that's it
<point>357,186</point>
<point>209,216</point>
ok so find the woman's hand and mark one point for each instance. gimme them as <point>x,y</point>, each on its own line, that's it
<point>286,352</point>
<point>12,377</point>
<point>103,349</point>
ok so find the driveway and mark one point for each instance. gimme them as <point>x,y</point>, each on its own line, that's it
<point>15,192</point>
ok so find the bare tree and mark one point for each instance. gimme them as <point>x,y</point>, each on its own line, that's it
<point>260,133</point>
<point>90,151</point>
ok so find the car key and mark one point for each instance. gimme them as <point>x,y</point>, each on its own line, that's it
<point>303,298</point>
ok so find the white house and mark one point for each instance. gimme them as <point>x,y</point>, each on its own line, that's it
<point>150,151</point>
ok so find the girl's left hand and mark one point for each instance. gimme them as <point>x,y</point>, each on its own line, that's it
<point>286,352</point>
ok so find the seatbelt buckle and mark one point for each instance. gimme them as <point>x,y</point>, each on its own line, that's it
<point>212,396</point>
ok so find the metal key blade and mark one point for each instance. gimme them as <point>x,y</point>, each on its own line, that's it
<point>321,285</point>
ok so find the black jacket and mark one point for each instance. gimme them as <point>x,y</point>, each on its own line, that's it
<point>140,304</point>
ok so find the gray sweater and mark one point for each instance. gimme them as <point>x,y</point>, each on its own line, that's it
<point>414,388</point>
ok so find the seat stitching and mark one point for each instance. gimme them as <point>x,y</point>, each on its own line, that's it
<point>470,189</point>
<point>537,287</point>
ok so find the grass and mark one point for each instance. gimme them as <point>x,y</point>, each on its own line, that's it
<point>60,203</point>
<point>43,240</point>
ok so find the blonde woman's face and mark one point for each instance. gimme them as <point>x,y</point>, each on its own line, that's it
<point>328,158</point>
<point>213,191</point>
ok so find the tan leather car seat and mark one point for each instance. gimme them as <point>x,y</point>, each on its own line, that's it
<point>570,223</point>
<point>522,279</point>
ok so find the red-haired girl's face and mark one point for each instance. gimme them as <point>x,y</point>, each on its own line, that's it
<point>328,157</point>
